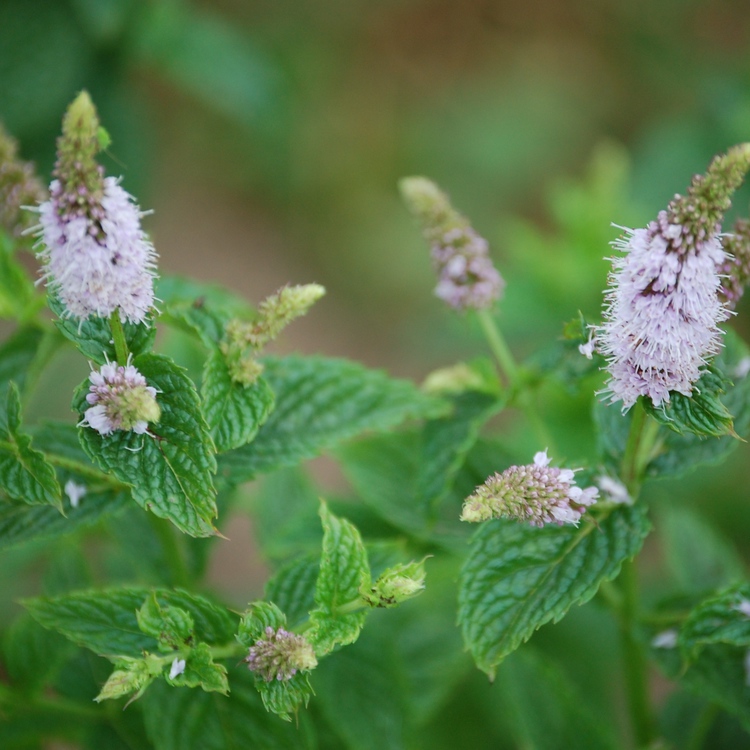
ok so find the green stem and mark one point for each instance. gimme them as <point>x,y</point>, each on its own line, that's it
<point>498,346</point>
<point>118,335</point>
<point>634,661</point>
<point>84,470</point>
<point>171,550</point>
<point>702,726</point>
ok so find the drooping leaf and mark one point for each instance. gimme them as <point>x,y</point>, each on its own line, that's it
<point>170,467</point>
<point>518,577</point>
<point>234,411</point>
<point>25,474</point>
<point>93,336</point>
<point>343,572</point>
<point>105,620</point>
<point>320,403</point>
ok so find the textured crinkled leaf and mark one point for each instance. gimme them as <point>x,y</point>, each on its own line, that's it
<point>183,719</point>
<point>234,411</point>
<point>718,619</point>
<point>518,577</point>
<point>105,620</point>
<point>201,671</point>
<point>169,468</point>
<point>681,454</point>
<point>319,403</point>
<point>702,413</point>
<point>93,336</point>
<point>698,556</point>
<point>292,588</point>
<point>25,474</point>
<point>343,572</point>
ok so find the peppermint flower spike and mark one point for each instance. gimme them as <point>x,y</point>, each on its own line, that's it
<point>466,275</point>
<point>19,187</point>
<point>120,399</point>
<point>734,272</point>
<point>280,655</point>
<point>537,493</point>
<point>95,255</point>
<point>663,306</point>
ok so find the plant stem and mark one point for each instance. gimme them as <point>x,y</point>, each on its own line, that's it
<point>171,550</point>
<point>118,336</point>
<point>634,661</point>
<point>702,725</point>
<point>509,370</point>
<point>84,470</point>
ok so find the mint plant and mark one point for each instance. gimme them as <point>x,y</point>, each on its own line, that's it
<point>449,553</point>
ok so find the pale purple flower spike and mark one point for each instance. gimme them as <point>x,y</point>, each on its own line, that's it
<point>120,399</point>
<point>98,266</point>
<point>662,312</point>
<point>280,655</point>
<point>537,493</point>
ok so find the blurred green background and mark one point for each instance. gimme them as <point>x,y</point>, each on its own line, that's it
<point>268,138</point>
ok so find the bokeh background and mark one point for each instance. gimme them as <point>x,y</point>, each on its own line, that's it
<point>268,137</point>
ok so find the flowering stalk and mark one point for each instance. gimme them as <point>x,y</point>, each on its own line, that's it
<point>734,272</point>
<point>663,306</point>
<point>96,257</point>
<point>280,655</point>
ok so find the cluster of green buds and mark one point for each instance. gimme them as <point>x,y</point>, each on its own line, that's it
<point>396,585</point>
<point>244,341</point>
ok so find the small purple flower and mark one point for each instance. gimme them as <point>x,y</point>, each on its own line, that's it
<point>537,493</point>
<point>280,655</point>
<point>734,272</point>
<point>75,492</point>
<point>96,257</point>
<point>120,399</point>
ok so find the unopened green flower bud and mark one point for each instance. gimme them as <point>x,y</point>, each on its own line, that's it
<point>455,379</point>
<point>396,585</point>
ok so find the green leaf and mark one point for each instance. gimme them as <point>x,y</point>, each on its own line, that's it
<point>25,474</point>
<point>234,411</point>
<point>17,294</point>
<point>702,413</point>
<point>320,403</point>
<point>105,620</point>
<point>201,671</point>
<point>612,430</point>
<point>681,454</point>
<point>93,336</point>
<point>518,577</point>
<point>343,572</point>
<point>697,555</point>
<point>281,697</point>
<point>170,466</point>
<point>130,676</point>
<point>718,619</point>
<point>528,681</point>
<point>292,588</point>
<point>172,627</point>
<point>182,719</point>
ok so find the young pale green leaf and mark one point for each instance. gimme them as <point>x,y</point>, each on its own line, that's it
<point>201,671</point>
<point>681,454</point>
<point>93,336</point>
<point>182,719</point>
<point>321,403</point>
<point>292,588</point>
<point>130,676</point>
<point>170,467</point>
<point>105,620</point>
<point>518,577</point>
<point>699,558</point>
<point>344,571</point>
<point>702,413</point>
<point>25,474</point>
<point>723,618</point>
<point>172,627</point>
<point>259,616</point>
<point>234,412</point>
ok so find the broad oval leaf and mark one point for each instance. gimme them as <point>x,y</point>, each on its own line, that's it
<point>518,577</point>
<point>234,411</point>
<point>170,467</point>
<point>321,402</point>
<point>105,620</point>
